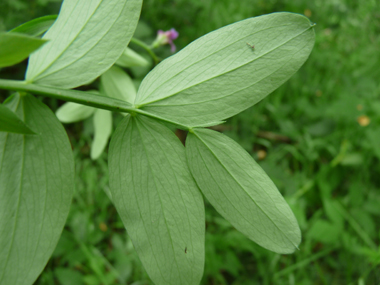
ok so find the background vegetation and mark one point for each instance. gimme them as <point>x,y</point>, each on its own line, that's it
<point>317,136</point>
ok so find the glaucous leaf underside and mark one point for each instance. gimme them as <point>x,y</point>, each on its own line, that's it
<point>158,200</point>
<point>220,74</point>
<point>36,187</point>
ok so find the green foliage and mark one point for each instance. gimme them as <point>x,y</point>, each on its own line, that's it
<point>73,112</point>
<point>10,122</point>
<point>118,84</point>
<point>158,200</point>
<point>240,191</point>
<point>176,88</point>
<point>17,47</point>
<point>102,132</point>
<point>318,133</point>
<point>36,184</point>
<point>130,58</point>
<point>35,27</point>
<point>82,49</point>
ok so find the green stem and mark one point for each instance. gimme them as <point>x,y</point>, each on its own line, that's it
<point>81,97</point>
<point>147,48</point>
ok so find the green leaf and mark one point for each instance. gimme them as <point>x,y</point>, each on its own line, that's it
<point>158,200</point>
<point>241,191</point>
<point>35,27</point>
<point>10,122</point>
<point>36,187</point>
<point>85,40</point>
<point>130,58</point>
<point>73,112</point>
<point>219,75</point>
<point>102,129</point>
<point>14,48</point>
<point>117,84</point>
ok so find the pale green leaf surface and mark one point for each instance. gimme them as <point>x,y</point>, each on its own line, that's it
<point>117,84</point>
<point>35,27</point>
<point>158,200</point>
<point>130,58</point>
<point>241,191</point>
<point>219,75</point>
<point>14,47</point>
<point>73,112</point>
<point>102,132</point>
<point>85,40</point>
<point>10,122</point>
<point>36,187</point>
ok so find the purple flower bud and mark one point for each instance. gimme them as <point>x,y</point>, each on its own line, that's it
<point>164,38</point>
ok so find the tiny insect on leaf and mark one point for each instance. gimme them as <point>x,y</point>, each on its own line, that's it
<point>251,46</point>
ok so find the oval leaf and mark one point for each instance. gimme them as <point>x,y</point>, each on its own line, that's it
<point>14,47</point>
<point>102,132</point>
<point>220,75</point>
<point>86,39</point>
<point>116,83</point>
<point>73,112</point>
<point>241,191</point>
<point>10,122</point>
<point>36,187</point>
<point>158,201</point>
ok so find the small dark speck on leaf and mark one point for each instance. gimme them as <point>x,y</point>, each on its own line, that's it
<point>251,46</point>
<point>185,249</point>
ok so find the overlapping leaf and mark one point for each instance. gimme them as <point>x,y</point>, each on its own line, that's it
<point>15,47</point>
<point>86,39</point>
<point>102,132</point>
<point>130,58</point>
<point>158,201</point>
<point>116,83</point>
<point>73,112</point>
<point>36,187</point>
<point>241,191</point>
<point>35,27</point>
<point>220,75</point>
<point>10,122</point>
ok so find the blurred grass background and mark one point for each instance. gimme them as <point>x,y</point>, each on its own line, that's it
<point>317,136</point>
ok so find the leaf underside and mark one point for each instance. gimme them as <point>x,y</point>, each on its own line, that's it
<point>241,191</point>
<point>117,84</point>
<point>36,187</point>
<point>158,201</point>
<point>85,40</point>
<point>219,75</point>
<point>102,132</point>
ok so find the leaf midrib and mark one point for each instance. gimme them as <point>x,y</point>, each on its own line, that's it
<point>67,46</point>
<point>134,193</point>
<point>79,58</point>
<point>220,74</point>
<point>154,179</point>
<point>216,157</point>
<point>177,182</point>
<point>201,59</point>
<point>229,94</point>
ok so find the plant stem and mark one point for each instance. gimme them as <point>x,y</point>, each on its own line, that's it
<point>81,97</point>
<point>147,48</point>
